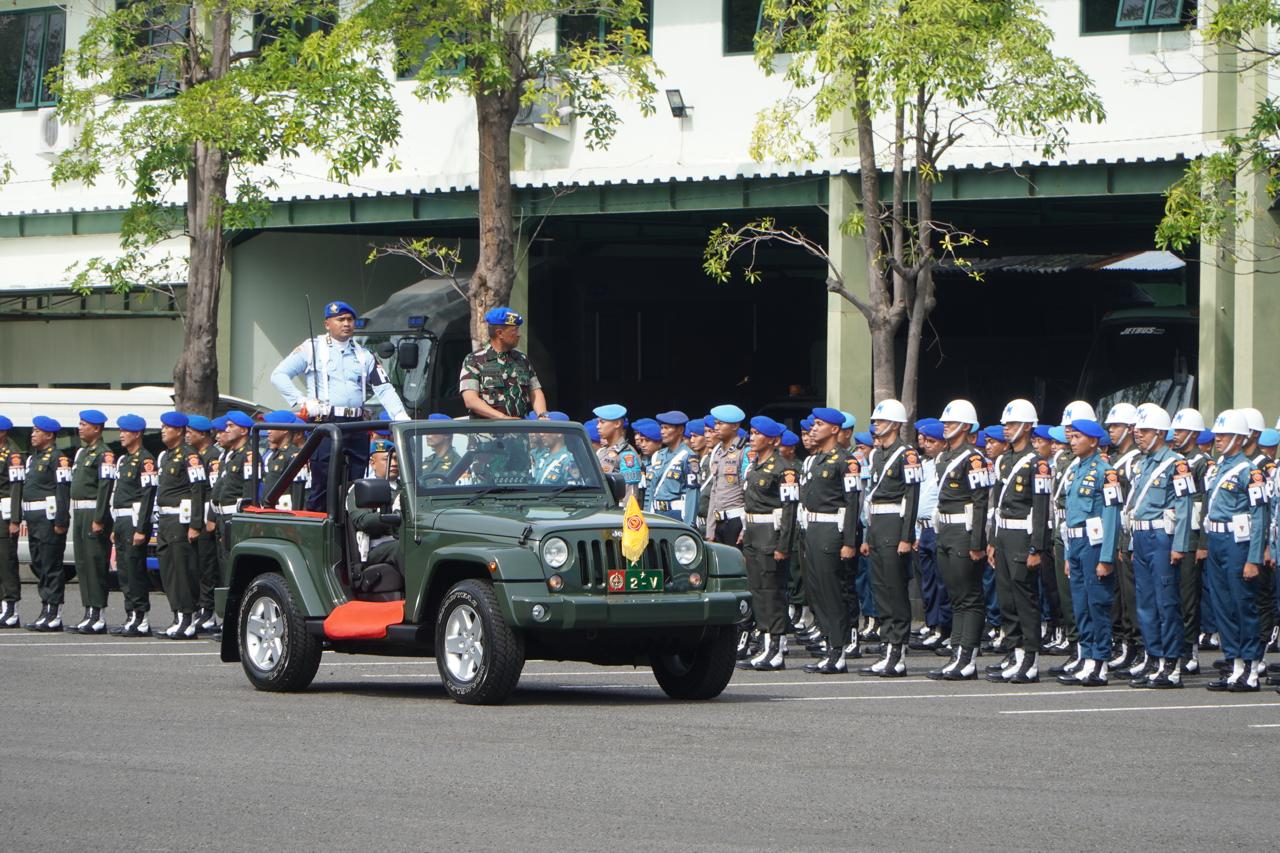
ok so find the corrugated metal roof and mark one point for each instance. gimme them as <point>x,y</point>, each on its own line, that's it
<point>1136,261</point>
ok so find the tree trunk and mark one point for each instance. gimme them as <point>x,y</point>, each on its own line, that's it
<point>496,268</point>
<point>884,366</point>
<point>195,376</point>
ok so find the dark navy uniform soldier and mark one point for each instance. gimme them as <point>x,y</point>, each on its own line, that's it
<point>44,496</point>
<point>10,518</point>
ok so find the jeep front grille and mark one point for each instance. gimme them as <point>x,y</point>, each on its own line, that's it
<point>597,557</point>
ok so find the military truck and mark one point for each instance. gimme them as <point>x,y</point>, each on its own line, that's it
<point>495,561</point>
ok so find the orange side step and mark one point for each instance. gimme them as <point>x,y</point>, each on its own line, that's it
<point>363,620</point>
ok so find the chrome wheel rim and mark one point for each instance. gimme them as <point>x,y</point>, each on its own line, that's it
<point>463,643</point>
<point>264,633</point>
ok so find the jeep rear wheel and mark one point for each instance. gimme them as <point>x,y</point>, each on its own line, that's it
<point>701,672</point>
<point>276,651</point>
<point>478,654</point>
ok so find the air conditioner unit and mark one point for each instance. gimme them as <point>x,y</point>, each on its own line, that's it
<point>53,137</point>
<point>531,121</point>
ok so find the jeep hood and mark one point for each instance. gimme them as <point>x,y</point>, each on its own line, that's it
<point>511,521</point>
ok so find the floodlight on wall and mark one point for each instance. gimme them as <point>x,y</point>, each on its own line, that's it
<point>679,109</point>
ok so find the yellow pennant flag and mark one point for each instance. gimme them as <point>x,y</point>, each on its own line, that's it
<point>635,531</point>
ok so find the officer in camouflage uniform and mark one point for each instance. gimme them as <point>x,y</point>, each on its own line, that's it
<point>10,477</point>
<point>199,435</point>
<point>45,498</point>
<point>180,496</point>
<point>93,468</point>
<point>132,499</point>
<point>498,381</point>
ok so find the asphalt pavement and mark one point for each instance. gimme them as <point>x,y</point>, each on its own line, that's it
<point>138,744</point>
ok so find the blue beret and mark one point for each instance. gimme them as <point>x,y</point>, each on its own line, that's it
<point>849,421</point>
<point>864,438</point>
<point>503,316</point>
<point>1090,428</point>
<point>530,416</point>
<point>767,426</point>
<point>1269,438</point>
<point>436,416</point>
<point>934,431</point>
<point>1168,436</point>
<point>610,412</point>
<point>789,438</point>
<point>648,428</point>
<point>728,414</point>
<point>177,420</point>
<point>1206,437</point>
<point>806,424</point>
<point>93,416</point>
<point>380,445</point>
<point>924,422</point>
<point>1058,434</point>
<point>982,439</point>
<point>593,431</point>
<point>1042,432</point>
<point>742,433</point>
<point>674,417</point>
<point>280,417</point>
<point>695,427</point>
<point>219,424</point>
<point>131,423</point>
<point>558,416</point>
<point>199,423</point>
<point>995,433</point>
<point>709,422</point>
<point>5,423</point>
<point>333,309</point>
<point>239,418</point>
<point>828,415</point>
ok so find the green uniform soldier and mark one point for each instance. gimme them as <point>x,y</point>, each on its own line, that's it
<point>93,468</point>
<point>280,453</point>
<point>443,458</point>
<point>771,492</point>
<point>180,496</point>
<point>499,381</point>
<point>199,435</point>
<point>133,497</point>
<point>230,485</point>
<point>10,478</point>
<point>45,499</point>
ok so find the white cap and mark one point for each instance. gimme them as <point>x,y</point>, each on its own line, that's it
<point>1253,418</point>
<point>1077,411</point>
<point>1019,412</point>
<point>1189,419</point>
<point>1151,416</point>
<point>889,410</point>
<point>1231,422</point>
<point>959,412</point>
<point>1122,413</point>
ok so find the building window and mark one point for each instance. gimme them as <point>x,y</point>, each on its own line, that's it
<point>576,29</point>
<point>742,19</point>
<point>31,44</point>
<point>267,30</point>
<point>1119,16</point>
<point>408,63</point>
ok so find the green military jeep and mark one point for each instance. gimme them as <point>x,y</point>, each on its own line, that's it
<point>506,546</point>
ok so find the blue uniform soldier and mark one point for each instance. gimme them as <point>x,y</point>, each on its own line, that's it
<point>648,441</point>
<point>674,485</point>
<point>1159,519</point>
<point>617,456</point>
<point>1092,531</point>
<point>1235,519</point>
<point>557,466</point>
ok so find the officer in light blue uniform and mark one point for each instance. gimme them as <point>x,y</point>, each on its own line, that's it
<point>1159,519</point>
<point>1235,519</point>
<point>1094,500</point>
<point>556,465</point>
<point>674,485</point>
<point>617,456</point>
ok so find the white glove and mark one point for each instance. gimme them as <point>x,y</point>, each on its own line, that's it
<point>403,416</point>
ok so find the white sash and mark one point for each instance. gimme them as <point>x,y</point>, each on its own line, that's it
<point>876,485</point>
<point>1017,466</point>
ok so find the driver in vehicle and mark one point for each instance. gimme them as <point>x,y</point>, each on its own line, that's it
<point>375,538</point>
<point>442,459</point>
<point>556,464</point>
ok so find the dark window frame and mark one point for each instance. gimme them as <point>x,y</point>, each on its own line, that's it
<point>602,27</point>
<point>264,28</point>
<point>40,97</point>
<point>1109,11</point>
<point>411,70</point>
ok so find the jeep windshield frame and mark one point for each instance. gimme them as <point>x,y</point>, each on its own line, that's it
<point>497,460</point>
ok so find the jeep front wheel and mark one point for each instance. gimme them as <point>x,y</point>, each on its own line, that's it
<point>478,654</point>
<point>701,672</point>
<point>276,651</point>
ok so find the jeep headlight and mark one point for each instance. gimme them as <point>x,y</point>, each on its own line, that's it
<point>555,553</point>
<point>686,550</point>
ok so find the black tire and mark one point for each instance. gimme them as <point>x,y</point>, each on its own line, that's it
<point>701,672</point>
<point>298,658</point>
<point>501,656</point>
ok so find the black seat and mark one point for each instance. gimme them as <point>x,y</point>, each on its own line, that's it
<point>373,581</point>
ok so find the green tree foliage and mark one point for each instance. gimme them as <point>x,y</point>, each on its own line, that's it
<point>903,81</point>
<point>188,106</point>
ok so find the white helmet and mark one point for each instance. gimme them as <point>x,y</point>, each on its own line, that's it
<point>1189,419</point>
<point>1019,412</point>
<point>889,410</point>
<point>1231,422</point>
<point>1122,413</point>
<point>1253,418</point>
<point>959,411</point>
<point>1151,416</point>
<point>1077,411</point>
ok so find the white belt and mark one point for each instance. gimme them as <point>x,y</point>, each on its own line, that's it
<point>34,506</point>
<point>224,509</point>
<point>1075,532</point>
<point>84,504</point>
<point>1156,524</point>
<point>667,506</point>
<point>1217,527</point>
<point>830,517</point>
<point>170,510</point>
<point>925,523</point>
<point>122,512</point>
<point>730,513</point>
<point>1013,524</point>
<point>887,509</point>
<point>761,517</point>
<point>338,412</point>
<point>951,517</point>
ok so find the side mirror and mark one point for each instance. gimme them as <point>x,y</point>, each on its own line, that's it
<point>407,354</point>
<point>372,493</point>
<point>617,487</point>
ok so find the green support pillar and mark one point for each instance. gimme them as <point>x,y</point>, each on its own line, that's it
<point>848,339</point>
